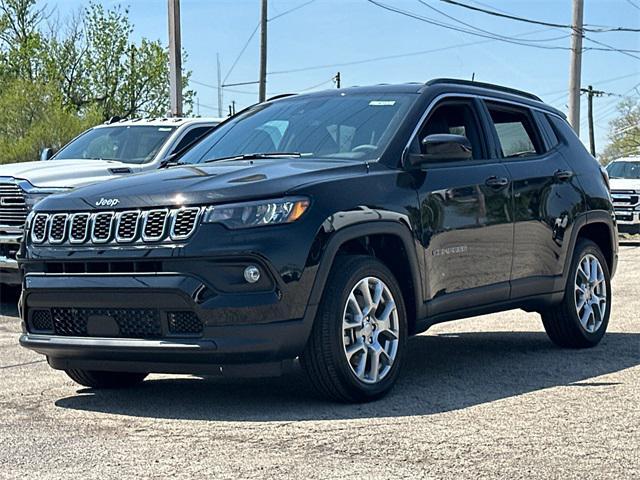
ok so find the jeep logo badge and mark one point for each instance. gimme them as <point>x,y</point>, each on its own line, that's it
<point>107,202</point>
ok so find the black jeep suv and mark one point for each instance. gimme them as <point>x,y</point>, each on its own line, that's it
<point>330,227</point>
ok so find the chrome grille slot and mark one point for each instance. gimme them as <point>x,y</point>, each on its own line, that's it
<point>39,228</point>
<point>79,227</point>
<point>13,207</point>
<point>184,222</point>
<point>58,228</point>
<point>127,226</point>
<point>155,222</point>
<point>102,224</point>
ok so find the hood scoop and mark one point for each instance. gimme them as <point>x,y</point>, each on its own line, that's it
<point>120,170</point>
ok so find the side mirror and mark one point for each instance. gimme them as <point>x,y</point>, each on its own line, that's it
<point>443,147</point>
<point>46,153</point>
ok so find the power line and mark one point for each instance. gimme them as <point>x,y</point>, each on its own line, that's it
<point>286,12</point>
<point>487,31</point>
<point>540,22</point>
<point>633,4</point>
<point>458,29</point>
<point>243,92</point>
<point>612,48</point>
<point>244,48</point>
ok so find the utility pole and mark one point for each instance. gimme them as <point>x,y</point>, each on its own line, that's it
<point>262,95</point>
<point>590,94</point>
<point>575,67</point>
<point>219,86</point>
<point>175,59</point>
<point>336,79</point>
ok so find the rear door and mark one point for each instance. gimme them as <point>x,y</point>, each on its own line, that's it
<point>465,207</point>
<point>545,194</point>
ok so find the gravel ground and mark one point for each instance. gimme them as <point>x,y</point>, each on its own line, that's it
<point>484,397</point>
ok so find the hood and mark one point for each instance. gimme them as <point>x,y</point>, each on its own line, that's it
<point>65,173</point>
<point>624,184</point>
<point>203,184</point>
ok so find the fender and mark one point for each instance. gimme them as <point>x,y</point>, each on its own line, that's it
<point>587,218</point>
<point>338,238</point>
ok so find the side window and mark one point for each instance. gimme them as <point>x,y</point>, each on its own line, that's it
<point>516,131</point>
<point>457,118</point>
<point>191,136</point>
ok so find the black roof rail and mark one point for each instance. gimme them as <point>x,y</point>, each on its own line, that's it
<point>282,95</point>
<point>490,86</point>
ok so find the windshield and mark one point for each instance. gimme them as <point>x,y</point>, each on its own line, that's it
<point>350,126</point>
<point>127,144</point>
<point>624,170</point>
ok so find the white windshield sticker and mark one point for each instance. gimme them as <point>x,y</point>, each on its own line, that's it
<point>382,103</point>
<point>164,129</point>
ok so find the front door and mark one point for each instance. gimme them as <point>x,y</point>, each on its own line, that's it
<point>465,205</point>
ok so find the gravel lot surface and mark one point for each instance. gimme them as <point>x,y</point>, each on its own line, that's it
<point>485,397</point>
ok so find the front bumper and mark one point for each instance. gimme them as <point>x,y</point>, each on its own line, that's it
<point>242,333</point>
<point>9,269</point>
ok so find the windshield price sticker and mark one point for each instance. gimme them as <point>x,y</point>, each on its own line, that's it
<point>382,103</point>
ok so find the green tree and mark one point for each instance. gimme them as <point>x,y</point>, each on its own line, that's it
<point>57,78</point>
<point>624,135</point>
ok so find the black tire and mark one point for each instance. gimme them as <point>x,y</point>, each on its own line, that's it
<point>106,380</point>
<point>324,358</point>
<point>561,322</point>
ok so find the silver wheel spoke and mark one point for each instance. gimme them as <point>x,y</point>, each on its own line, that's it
<point>590,293</point>
<point>370,340</point>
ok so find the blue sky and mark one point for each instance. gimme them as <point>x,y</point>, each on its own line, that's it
<point>334,34</point>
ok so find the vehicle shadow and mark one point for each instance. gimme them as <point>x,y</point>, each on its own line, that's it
<point>442,373</point>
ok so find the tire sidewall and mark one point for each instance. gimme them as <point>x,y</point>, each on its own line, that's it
<point>367,268</point>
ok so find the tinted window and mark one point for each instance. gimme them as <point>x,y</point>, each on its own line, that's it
<point>349,126</point>
<point>553,138</point>
<point>623,169</point>
<point>456,119</point>
<point>191,136</point>
<point>128,144</point>
<point>516,132</point>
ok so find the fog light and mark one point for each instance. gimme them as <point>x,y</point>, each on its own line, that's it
<point>252,274</point>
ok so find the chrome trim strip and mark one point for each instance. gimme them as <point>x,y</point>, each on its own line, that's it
<point>93,227</point>
<point>148,238</point>
<point>489,98</point>
<point>87,226</point>
<point>119,216</point>
<point>174,218</point>
<point>52,220</point>
<point>34,238</point>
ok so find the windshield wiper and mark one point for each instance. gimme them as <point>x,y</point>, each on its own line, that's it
<point>255,156</point>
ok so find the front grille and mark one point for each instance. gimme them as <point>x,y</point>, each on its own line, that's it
<point>127,226</point>
<point>131,322</point>
<point>625,198</point>
<point>79,227</point>
<point>58,227</point>
<point>41,320</point>
<point>39,228</point>
<point>123,227</point>
<point>184,323</point>
<point>155,223</point>
<point>13,207</point>
<point>184,222</point>
<point>102,223</point>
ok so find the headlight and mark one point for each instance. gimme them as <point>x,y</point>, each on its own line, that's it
<point>257,214</point>
<point>35,195</point>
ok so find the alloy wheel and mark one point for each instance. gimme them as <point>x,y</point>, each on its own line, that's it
<point>590,293</point>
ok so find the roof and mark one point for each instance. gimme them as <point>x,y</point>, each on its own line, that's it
<point>635,158</point>
<point>161,122</point>
<point>463,86</point>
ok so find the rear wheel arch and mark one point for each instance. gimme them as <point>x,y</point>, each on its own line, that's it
<point>599,232</point>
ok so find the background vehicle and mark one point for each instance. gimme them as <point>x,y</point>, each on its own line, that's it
<point>624,175</point>
<point>330,227</point>
<point>103,152</point>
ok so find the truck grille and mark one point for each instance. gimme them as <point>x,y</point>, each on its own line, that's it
<point>123,227</point>
<point>13,208</point>
<point>625,198</point>
<point>131,322</point>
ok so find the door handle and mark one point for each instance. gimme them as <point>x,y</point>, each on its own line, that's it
<point>563,175</point>
<point>496,182</point>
